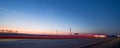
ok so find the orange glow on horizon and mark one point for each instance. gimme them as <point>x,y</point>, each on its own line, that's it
<point>33,31</point>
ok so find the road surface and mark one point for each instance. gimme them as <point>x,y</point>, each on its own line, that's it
<point>115,43</point>
<point>46,43</point>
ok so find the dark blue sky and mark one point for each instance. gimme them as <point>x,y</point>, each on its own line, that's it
<point>92,16</point>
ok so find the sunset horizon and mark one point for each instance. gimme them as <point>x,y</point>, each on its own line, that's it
<point>43,17</point>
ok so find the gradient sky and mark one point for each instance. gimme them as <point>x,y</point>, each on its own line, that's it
<point>45,16</point>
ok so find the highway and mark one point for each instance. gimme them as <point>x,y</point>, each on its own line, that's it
<point>50,43</point>
<point>115,43</point>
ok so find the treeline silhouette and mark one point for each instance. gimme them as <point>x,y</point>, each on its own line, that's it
<point>8,31</point>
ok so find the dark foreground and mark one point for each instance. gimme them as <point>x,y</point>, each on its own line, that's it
<point>50,43</point>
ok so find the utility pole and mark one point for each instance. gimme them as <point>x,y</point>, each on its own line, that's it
<point>57,32</point>
<point>70,31</point>
<point>51,32</point>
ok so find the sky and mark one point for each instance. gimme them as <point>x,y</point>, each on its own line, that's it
<point>48,16</point>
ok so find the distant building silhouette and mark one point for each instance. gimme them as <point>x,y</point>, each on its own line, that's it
<point>76,33</point>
